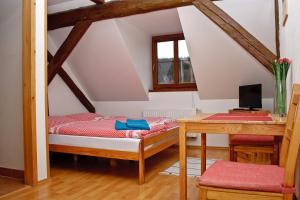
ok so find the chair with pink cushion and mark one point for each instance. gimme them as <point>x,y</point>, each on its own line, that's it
<point>254,144</point>
<point>238,181</point>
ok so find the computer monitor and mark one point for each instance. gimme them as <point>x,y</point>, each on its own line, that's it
<point>250,96</point>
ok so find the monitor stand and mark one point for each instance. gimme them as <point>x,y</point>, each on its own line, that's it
<point>253,109</point>
<point>246,109</point>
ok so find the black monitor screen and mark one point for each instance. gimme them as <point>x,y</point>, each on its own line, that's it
<point>250,96</point>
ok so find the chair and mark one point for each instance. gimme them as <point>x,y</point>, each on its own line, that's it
<point>226,180</point>
<point>251,144</point>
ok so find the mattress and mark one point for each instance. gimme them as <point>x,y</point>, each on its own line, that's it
<point>117,144</point>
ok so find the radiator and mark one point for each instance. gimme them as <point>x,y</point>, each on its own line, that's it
<point>172,113</point>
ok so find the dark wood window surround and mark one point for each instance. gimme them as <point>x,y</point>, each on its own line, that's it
<point>176,86</point>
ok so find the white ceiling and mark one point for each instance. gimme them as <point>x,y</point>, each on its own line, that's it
<point>111,61</point>
<point>118,50</point>
<point>62,5</point>
<point>157,23</point>
<point>153,23</point>
<point>54,2</point>
<point>220,64</point>
<point>102,63</point>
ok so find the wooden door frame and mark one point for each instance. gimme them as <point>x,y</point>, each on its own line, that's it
<point>29,90</point>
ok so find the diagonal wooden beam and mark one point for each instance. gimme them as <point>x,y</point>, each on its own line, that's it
<point>237,32</point>
<point>66,48</point>
<point>111,10</point>
<point>277,32</point>
<point>73,87</point>
<point>98,1</point>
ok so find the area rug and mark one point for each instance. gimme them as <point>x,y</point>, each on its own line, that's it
<point>193,167</point>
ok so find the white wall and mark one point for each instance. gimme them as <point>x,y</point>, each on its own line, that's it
<point>11,125</point>
<point>11,116</point>
<point>41,132</point>
<point>289,41</point>
<point>138,44</point>
<point>220,64</point>
<point>175,100</point>
<point>61,99</point>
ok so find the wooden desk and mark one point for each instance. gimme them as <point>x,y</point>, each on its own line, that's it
<point>199,124</point>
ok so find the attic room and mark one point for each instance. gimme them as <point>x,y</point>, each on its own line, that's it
<point>150,99</point>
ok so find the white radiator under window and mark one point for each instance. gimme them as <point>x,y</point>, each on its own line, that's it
<point>172,113</point>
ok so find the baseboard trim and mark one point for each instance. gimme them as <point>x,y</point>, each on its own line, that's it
<point>12,173</point>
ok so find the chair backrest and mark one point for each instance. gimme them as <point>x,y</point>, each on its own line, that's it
<point>291,140</point>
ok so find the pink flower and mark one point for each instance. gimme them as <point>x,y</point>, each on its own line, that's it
<point>286,60</point>
<point>280,61</point>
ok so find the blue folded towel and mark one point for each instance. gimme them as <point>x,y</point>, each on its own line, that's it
<point>140,124</point>
<point>132,125</point>
<point>120,125</point>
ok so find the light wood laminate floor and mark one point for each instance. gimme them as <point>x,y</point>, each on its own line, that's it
<point>8,185</point>
<point>95,179</point>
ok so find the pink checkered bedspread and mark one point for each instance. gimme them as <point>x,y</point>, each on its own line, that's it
<point>93,125</point>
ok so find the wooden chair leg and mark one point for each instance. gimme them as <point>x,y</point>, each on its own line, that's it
<point>275,156</point>
<point>235,155</point>
<point>203,194</point>
<point>288,197</point>
<point>231,152</point>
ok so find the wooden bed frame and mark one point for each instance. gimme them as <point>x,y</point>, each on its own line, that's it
<point>146,150</point>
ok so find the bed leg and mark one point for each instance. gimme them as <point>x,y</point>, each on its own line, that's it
<point>75,160</point>
<point>141,163</point>
<point>113,163</point>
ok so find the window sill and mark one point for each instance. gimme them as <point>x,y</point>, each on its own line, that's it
<point>173,89</point>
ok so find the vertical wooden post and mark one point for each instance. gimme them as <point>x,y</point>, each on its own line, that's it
<point>277,33</point>
<point>29,92</point>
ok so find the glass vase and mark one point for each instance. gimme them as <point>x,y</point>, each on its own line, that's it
<point>280,94</point>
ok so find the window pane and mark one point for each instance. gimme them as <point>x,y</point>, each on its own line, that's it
<point>165,55</point>
<point>186,74</point>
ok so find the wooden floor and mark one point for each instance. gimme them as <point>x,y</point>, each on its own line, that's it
<point>8,185</point>
<point>95,179</point>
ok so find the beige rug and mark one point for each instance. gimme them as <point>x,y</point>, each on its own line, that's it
<point>193,167</point>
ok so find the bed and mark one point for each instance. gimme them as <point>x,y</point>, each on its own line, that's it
<point>94,135</point>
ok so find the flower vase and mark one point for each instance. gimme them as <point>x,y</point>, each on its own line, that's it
<point>280,96</point>
<point>280,69</point>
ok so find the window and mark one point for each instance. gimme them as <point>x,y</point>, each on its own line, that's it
<point>172,68</point>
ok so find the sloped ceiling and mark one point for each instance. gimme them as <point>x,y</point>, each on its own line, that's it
<point>113,59</point>
<point>103,65</point>
<point>157,23</point>
<point>220,64</point>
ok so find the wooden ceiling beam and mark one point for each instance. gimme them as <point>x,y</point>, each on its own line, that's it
<point>109,10</point>
<point>66,48</point>
<point>74,88</point>
<point>98,1</point>
<point>237,32</point>
<point>277,31</point>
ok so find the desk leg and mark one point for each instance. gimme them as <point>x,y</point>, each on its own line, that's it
<point>203,152</point>
<point>182,159</point>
